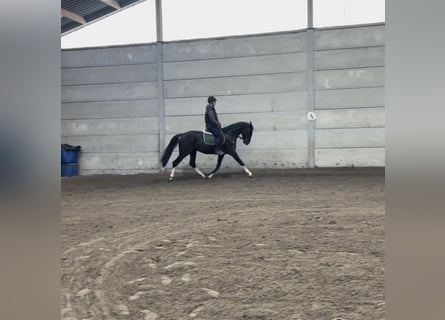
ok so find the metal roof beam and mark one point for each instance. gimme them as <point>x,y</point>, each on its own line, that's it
<point>159,32</point>
<point>112,3</point>
<point>310,14</point>
<point>72,16</point>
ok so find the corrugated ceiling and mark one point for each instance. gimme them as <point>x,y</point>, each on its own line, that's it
<point>89,10</point>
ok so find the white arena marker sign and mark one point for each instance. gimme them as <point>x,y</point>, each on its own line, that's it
<point>311,116</point>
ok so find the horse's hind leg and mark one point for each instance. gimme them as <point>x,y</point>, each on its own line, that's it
<point>218,165</point>
<point>193,164</point>
<point>175,164</point>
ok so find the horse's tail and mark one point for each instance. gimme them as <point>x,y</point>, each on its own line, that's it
<point>168,151</point>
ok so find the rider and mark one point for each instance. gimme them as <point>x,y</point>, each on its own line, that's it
<point>213,125</point>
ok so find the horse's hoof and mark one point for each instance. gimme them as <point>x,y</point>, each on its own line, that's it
<point>210,176</point>
<point>170,179</point>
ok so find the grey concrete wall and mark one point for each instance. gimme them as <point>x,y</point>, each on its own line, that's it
<point>349,98</point>
<point>110,108</point>
<point>110,102</point>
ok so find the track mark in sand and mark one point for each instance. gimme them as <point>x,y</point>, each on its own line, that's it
<point>82,293</point>
<point>212,246</point>
<point>83,244</point>
<point>186,277</point>
<point>132,251</point>
<point>122,309</point>
<point>212,293</point>
<point>150,263</point>
<point>212,238</point>
<point>135,281</point>
<point>149,315</point>
<point>83,258</point>
<point>261,245</point>
<point>166,280</point>
<point>191,244</point>
<point>180,264</point>
<point>136,296</point>
<point>259,313</point>
<point>195,312</point>
<point>66,310</point>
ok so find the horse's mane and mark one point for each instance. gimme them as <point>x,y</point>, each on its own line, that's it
<point>234,125</point>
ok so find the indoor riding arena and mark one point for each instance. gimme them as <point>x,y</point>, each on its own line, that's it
<point>300,239</point>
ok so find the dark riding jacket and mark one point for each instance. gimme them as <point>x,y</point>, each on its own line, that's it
<point>211,118</point>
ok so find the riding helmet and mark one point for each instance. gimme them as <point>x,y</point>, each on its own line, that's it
<point>211,99</point>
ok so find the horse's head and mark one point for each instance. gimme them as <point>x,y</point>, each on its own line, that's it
<point>246,133</point>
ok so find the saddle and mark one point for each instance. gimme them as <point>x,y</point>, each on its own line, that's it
<point>208,138</point>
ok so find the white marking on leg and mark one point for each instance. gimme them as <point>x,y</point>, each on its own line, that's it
<point>200,172</point>
<point>172,174</point>
<point>247,171</point>
<point>211,175</point>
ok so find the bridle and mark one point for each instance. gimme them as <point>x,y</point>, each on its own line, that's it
<point>240,136</point>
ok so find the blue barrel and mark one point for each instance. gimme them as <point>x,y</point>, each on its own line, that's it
<point>70,170</point>
<point>70,160</point>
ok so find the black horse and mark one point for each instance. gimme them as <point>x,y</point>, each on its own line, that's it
<point>191,142</point>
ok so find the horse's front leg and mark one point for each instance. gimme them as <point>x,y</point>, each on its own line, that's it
<point>235,156</point>
<point>193,164</point>
<point>218,165</point>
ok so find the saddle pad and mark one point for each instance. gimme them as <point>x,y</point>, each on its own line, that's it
<point>208,138</point>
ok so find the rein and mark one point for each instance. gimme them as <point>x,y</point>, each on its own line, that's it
<point>238,136</point>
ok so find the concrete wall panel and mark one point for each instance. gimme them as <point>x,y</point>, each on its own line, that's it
<point>350,118</point>
<point>96,57</point>
<point>340,38</point>
<point>350,78</point>
<point>119,144</point>
<point>114,74</point>
<point>235,85</point>
<point>277,140</point>
<point>94,127</point>
<point>350,58</point>
<point>119,161</point>
<point>350,138</point>
<point>363,157</point>
<point>110,109</point>
<point>350,98</point>
<point>234,47</point>
<point>110,92</point>
<point>292,62</point>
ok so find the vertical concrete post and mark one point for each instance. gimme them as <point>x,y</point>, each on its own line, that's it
<point>310,80</point>
<point>160,78</point>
